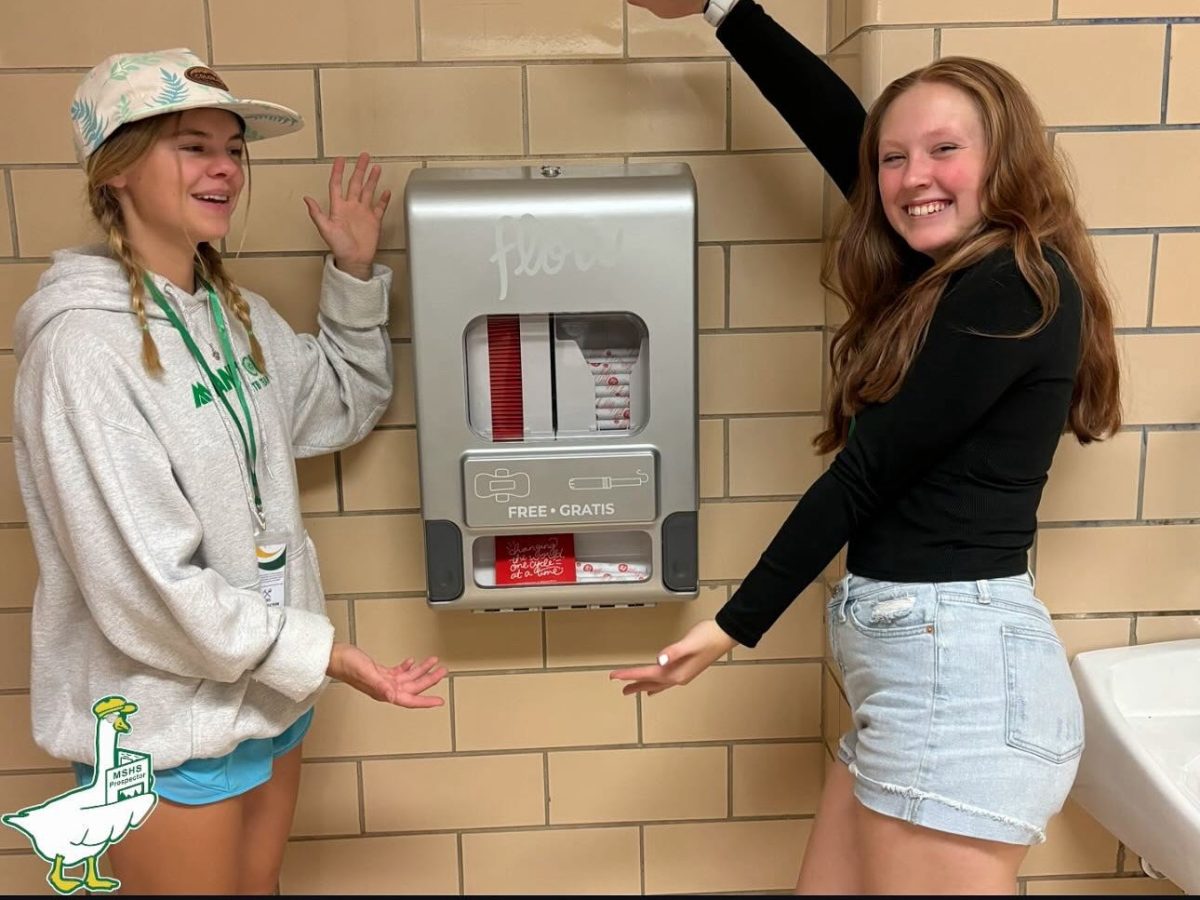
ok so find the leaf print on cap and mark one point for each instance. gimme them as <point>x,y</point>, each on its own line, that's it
<point>125,66</point>
<point>90,124</point>
<point>122,109</point>
<point>174,90</point>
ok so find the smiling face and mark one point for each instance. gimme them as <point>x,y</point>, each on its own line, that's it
<point>187,186</point>
<point>932,158</point>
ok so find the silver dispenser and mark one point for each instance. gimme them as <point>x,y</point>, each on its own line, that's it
<point>554,342</point>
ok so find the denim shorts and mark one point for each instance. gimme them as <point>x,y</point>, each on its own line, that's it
<point>196,782</point>
<point>965,716</point>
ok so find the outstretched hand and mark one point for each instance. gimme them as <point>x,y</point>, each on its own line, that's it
<point>679,663</point>
<point>400,685</point>
<point>352,225</point>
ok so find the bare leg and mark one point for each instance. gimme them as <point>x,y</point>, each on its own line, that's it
<point>267,822</point>
<point>909,859</point>
<point>182,850</point>
<point>833,860</point>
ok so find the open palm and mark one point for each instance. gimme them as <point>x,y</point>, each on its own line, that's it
<point>400,685</point>
<point>354,220</point>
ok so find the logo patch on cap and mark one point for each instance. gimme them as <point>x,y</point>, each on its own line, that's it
<point>206,76</point>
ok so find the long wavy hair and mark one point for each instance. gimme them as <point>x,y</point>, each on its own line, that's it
<point>122,149</point>
<point>1026,203</point>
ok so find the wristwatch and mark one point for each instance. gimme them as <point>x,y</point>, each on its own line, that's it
<point>715,11</point>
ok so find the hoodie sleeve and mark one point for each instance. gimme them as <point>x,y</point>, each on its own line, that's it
<point>119,518</point>
<point>340,379</point>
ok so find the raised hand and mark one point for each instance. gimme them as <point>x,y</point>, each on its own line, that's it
<point>679,663</point>
<point>400,685</point>
<point>352,224</point>
<point>671,9</point>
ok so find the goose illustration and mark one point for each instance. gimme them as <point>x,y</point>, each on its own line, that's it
<point>78,826</point>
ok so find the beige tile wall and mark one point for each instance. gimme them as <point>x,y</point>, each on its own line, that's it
<point>538,776</point>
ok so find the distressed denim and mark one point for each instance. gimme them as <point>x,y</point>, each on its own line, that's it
<point>965,716</point>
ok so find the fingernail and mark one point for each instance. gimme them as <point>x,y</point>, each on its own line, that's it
<point>662,659</point>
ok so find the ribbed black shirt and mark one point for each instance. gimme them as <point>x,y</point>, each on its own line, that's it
<point>943,481</point>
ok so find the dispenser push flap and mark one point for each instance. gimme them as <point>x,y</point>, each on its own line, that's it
<point>576,489</point>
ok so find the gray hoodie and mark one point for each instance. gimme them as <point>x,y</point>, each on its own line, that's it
<point>137,494</point>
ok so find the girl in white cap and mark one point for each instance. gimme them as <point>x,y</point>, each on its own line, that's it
<point>159,410</point>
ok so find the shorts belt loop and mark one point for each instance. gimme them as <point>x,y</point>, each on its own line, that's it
<point>985,591</point>
<point>1032,580</point>
<point>844,587</point>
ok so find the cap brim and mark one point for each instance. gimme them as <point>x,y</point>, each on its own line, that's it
<point>263,119</point>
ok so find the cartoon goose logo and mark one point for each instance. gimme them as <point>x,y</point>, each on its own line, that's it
<point>78,826</point>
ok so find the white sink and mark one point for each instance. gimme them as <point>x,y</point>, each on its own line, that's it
<point>1139,776</point>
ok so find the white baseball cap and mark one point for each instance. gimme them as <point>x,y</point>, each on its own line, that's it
<point>127,87</point>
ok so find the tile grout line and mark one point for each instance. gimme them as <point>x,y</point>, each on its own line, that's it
<point>525,109</point>
<point>546,785</point>
<point>729,774</point>
<point>337,481</point>
<point>791,154</point>
<point>462,875</point>
<point>362,797</point>
<point>615,59</point>
<point>600,825</point>
<point>625,31</point>
<point>642,857</point>
<point>450,707</point>
<point>1141,489</point>
<point>579,749</point>
<point>12,213</point>
<point>728,106</point>
<point>1166,79</point>
<point>727,306</point>
<point>1154,249</point>
<point>318,112</point>
<point>208,38</point>
<point>418,36</point>
<point>545,626</point>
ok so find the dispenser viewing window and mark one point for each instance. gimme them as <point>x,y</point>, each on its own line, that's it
<point>554,345</point>
<point>545,377</point>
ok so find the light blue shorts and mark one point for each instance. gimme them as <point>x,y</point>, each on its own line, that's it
<point>200,781</point>
<point>965,716</point>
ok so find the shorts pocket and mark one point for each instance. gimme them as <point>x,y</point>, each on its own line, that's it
<point>208,774</point>
<point>891,614</point>
<point>1044,716</point>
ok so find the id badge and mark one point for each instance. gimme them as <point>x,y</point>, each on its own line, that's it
<point>271,550</point>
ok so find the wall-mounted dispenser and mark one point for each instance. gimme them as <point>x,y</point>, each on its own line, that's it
<point>554,342</point>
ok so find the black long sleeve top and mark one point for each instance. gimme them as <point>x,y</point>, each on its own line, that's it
<point>943,481</point>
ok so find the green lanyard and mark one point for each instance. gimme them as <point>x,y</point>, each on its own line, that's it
<point>247,433</point>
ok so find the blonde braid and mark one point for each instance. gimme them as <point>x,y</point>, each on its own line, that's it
<point>108,213</point>
<point>212,267</point>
